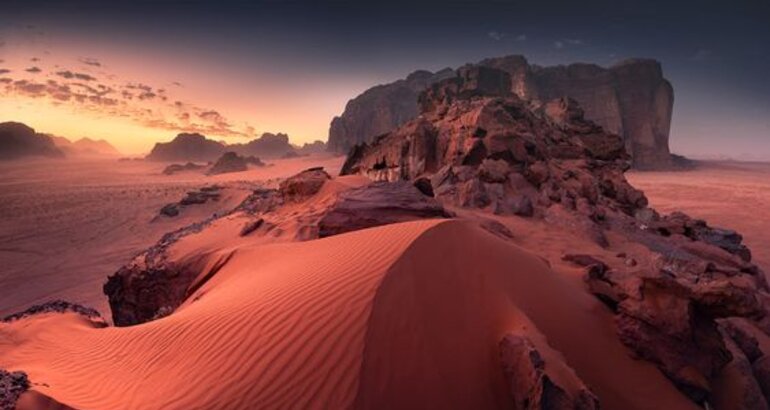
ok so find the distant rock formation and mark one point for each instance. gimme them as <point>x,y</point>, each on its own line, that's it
<point>175,168</point>
<point>380,109</point>
<point>19,141</point>
<point>196,148</point>
<point>85,147</point>
<point>631,99</point>
<point>315,147</point>
<point>187,147</point>
<point>232,162</point>
<point>268,145</point>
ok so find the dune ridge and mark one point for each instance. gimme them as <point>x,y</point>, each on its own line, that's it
<point>301,325</point>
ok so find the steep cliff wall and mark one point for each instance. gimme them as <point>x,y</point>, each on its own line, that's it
<point>631,99</point>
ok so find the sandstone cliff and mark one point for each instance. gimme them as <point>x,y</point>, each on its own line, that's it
<point>631,99</point>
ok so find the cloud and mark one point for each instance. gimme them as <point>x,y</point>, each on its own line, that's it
<point>90,61</point>
<point>78,76</point>
<point>558,44</point>
<point>496,35</point>
<point>176,83</point>
<point>574,41</point>
<point>521,37</point>
<point>702,55</point>
<point>34,59</point>
<point>33,70</point>
<point>4,71</point>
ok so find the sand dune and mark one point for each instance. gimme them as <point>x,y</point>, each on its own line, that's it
<point>304,325</point>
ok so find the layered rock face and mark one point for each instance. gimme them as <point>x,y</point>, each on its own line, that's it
<point>631,99</point>
<point>482,148</point>
<point>19,141</point>
<point>380,109</point>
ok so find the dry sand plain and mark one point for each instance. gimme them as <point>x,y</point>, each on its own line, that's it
<point>66,225</point>
<point>732,195</point>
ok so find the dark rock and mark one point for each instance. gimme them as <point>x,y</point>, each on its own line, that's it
<point>232,162</point>
<point>379,203</point>
<point>761,368</point>
<point>170,210</point>
<point>268,145</point>
<point>187,147</point>
<point>174,168</point>
<point>530,384</point>
<point>423,185</point>
<point>59,306</point>
<point>12,385</point>
<point>18,141</point>
<point>304,184</point>
<point>252,226</point>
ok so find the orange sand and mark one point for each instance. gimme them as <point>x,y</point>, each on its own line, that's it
<point>399,316</point>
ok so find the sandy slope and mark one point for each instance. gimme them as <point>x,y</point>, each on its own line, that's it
<point>727,194</point>
<point>68,224</point>
<point>400,316</point>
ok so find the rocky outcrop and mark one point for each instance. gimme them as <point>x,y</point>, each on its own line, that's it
<point>502,154</point>
<point>232,162</point>
<point>631,99</point>
<point>20,141</point>
<point>380,109</point>
<point>12,385</point>
<point>201,196</point>
<point>187,147</point>
<point>268,145</point>
<point>175,168</point>
<point>496,152</point>
<point>380,203</point>
<point>59,306</point>
<point>530,384</point>
<point>154,284</point>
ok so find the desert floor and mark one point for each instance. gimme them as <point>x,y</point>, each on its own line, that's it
<point>726,194</point>
<point>67,225</point>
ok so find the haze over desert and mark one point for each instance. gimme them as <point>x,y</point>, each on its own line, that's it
<point>384,205</point>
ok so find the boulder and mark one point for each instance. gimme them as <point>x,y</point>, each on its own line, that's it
<point>379,203</point>
<point>59,306</point>
<point>304,184</point>
<point>530,384</point>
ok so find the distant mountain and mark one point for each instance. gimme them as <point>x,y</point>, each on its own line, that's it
<point>315,147</point>
<point>187,147</point>
<point>18,140</point>
<point>269,145</point>
<point>196,147</point>
<point>85,147</point>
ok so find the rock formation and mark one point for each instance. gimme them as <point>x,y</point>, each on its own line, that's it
<point>12,385</point>
<point>268,145</point>
<point>232,162</point>
<point>19,141</point>
<point>198,148</point>
<point>631,99</point>
<point>482,148</point>
<point>85,147</point>
<point>175,168</point>
<point>380,109</point>
<point>201,196</point>
<point>187,147</point>
<point>530,384</point>
<point>152,285</point>
<point>59,306</point>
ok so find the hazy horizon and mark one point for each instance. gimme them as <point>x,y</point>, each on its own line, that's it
<point>146,71</point>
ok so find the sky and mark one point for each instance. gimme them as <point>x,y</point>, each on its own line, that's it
<point>139,72</point>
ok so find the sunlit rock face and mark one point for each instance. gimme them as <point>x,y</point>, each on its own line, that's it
<point>631,99</point>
